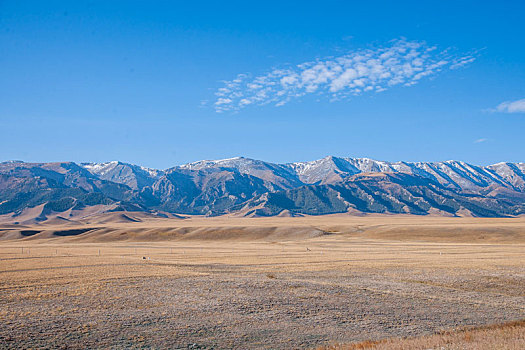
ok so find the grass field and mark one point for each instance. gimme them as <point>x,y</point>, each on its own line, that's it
<point>336,282</point>
<point>509,335</point>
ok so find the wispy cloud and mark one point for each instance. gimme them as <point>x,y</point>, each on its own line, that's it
<point>511,107</point>
<point>480,140</point>
<point>401,62</point>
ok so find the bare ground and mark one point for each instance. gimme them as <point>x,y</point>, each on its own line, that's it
<point>340,281</point>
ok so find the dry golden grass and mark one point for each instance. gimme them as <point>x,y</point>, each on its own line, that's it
<point>509,336</point>
<point>266,283</point>
<point>405,228</point>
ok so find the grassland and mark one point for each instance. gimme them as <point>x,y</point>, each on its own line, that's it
<point>509,335</point>
<point>344,282</point>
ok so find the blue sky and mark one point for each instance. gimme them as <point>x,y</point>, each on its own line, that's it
<point>142,81</point>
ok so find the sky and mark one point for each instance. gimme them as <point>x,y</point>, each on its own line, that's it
<point>162,83</point>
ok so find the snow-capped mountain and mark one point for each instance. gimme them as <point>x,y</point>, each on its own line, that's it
<point>455,174</point>
<point>215,187</point>
<point>281,176</point>
<point>134,176</point>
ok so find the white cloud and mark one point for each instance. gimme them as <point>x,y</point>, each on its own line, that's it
<point>480,140</point>
<point>222,101</point>
<point>511,107</point>
<point>402,63</point>
<point>462,61</point>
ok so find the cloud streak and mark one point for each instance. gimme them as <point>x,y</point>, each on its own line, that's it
<point>511,107</point>
<point>401,62</point>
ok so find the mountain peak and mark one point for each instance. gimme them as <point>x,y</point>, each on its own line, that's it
<point>329,184</point>
<point>12,162</point>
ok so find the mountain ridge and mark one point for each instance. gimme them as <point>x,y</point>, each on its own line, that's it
<point>253,187</point>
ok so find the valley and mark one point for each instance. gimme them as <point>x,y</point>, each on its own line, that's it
<point>234,282</point>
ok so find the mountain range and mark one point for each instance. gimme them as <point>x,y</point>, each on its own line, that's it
<point>249,187</point>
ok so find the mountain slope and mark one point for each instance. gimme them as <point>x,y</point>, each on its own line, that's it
<point>453,174</point>
<point>57,186</point>
<point>253,187</point>
<point>275,176</point>
<point>133,176</point>
<point>210,191</point>
<point>392,193</point>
